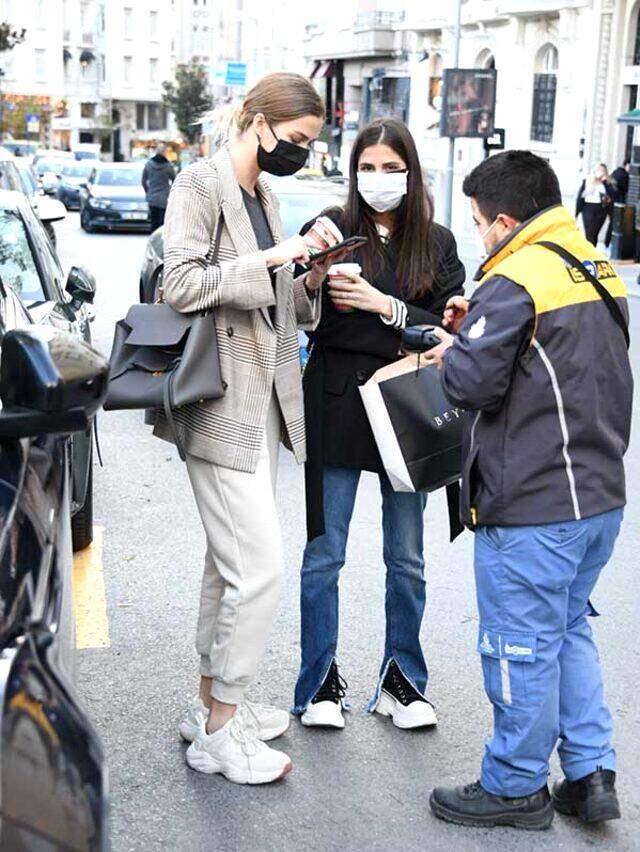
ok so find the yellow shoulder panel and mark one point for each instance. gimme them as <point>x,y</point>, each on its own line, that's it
<point>551,284</point>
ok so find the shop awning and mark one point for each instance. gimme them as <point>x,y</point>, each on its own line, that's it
<point>66,54</point>
<point>86,57</point>
<point>322,69</point>
<point>631,117</point>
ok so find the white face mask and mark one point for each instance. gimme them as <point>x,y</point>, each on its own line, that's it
<point>383,191</point>
<point>480,238</point>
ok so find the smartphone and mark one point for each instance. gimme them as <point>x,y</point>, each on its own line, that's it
<point>350,244</point>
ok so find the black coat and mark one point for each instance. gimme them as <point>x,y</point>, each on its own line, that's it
<point>347,349</point>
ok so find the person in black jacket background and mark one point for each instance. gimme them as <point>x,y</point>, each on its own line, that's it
<point>410,269</point>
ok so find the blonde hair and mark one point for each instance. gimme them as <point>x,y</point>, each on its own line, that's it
<point>280,97</point>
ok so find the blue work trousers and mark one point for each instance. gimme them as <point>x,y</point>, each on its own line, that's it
<point>541,667</point>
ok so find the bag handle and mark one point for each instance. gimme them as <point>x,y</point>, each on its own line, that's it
<point>612,306</point>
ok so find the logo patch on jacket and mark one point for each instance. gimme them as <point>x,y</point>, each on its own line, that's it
<point>601,269</point>
<point>478,328</point>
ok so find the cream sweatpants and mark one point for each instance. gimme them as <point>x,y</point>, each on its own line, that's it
<point>243,565</point>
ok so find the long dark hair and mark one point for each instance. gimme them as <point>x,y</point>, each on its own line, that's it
<point>411,231</point>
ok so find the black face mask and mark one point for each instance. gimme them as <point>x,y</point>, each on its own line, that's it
<point>285,159</point>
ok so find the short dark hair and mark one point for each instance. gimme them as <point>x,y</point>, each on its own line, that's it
<point>513,182</point>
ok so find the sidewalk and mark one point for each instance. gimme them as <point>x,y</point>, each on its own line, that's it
<point>629,272</point>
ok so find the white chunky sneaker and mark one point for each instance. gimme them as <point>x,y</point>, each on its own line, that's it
<point>325,708</point>
<point>235,752</point>
<point>195,716</point>
<point>406,706</point>
<point>269,722</point>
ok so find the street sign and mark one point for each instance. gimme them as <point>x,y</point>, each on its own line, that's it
<point>33,123</point>
<point>236,74</point>
<point>230,74</point>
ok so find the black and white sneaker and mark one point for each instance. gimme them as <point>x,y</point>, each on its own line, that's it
<point>400,700</point>
<point>325,709</point>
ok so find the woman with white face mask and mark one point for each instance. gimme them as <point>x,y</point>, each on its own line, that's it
<point>409,270</point>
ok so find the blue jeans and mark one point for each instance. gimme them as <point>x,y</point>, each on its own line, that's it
<point>402,524</point>
<point>540,664</point>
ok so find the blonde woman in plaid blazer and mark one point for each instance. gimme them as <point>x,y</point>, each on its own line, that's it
<point>232,443</point>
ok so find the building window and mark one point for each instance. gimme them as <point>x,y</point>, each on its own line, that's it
<point>157,117</point>
<point>128,67</point>
<point>140,117</point>
<point>103,64</point>
<point>153,71</point>
<point>636,49</point>
<point>544,94</point>
<point>84,8</point>
<point>41,66</point>
<point>128,22</point>
<point>87,110</point>
<point>153,24</point>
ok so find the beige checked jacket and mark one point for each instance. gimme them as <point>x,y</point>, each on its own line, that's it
<point>256,354</point>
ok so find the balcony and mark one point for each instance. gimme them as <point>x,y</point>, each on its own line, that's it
<point>372,34</point>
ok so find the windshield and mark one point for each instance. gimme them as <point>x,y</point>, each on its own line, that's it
<point>297,209</point>
<point>118,177</point>
<point>18,268</point>
<point>47,165</point>
<point>77,171</point>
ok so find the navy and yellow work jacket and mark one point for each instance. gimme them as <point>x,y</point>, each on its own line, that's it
<point>544,365</point>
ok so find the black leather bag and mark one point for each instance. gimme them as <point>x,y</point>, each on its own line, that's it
<point>164,359</point>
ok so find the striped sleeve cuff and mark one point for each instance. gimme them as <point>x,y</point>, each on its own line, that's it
<point>398,314</point>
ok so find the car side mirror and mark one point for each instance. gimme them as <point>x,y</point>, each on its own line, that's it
<point>84,184</point>
<point>81,286</point>
<point>50,383</point>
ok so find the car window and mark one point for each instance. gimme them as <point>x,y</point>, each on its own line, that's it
<point>296,209</point>
<point>29,182</point>
<point>118,177</point>
<point>9,176</point>
<point>18,268</point>
<point>48,165</point>
<point>77,170</point>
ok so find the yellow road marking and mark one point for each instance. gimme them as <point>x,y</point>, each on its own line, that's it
<point>89,599</point>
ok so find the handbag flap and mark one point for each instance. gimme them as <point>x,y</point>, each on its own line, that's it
<point>156,325</point>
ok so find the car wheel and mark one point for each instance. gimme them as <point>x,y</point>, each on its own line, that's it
<point>85,222</point>
<point>82,521</point>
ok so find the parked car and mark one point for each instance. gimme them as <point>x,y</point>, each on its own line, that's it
<point>86,151</point>
<point>113,198</point>
<point>47,209</point>
<point>21,148</point>
<point>29,267</point>
<point>48,166</point>
<point>72,176</point>
<point>300,200</point>
<point>52,768</point>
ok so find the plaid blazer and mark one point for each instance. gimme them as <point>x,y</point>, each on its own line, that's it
<point>256,353</point>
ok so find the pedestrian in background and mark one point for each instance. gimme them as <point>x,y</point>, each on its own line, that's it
<point>157,177</point>
<point>542,360</point>
<point>223,244</point>
<point>619,183</point>
<point>595,199</point>
<point>410,268</point>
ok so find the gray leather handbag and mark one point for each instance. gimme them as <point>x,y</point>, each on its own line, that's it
<point>164,359</point>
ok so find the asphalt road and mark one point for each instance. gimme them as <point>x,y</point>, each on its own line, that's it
<point>362,789</point>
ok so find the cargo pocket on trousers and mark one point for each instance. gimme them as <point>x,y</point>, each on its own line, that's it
<point>506,660</point>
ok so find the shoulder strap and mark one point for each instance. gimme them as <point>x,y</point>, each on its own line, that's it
<point>612,306</point>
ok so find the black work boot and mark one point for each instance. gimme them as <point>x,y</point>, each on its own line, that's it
<point>473,805</point>
<point>592,798</point>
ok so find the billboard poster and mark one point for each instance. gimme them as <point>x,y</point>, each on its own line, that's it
<point>468,102</point>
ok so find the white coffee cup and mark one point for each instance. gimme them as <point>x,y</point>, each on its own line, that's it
<point>342,272</point>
